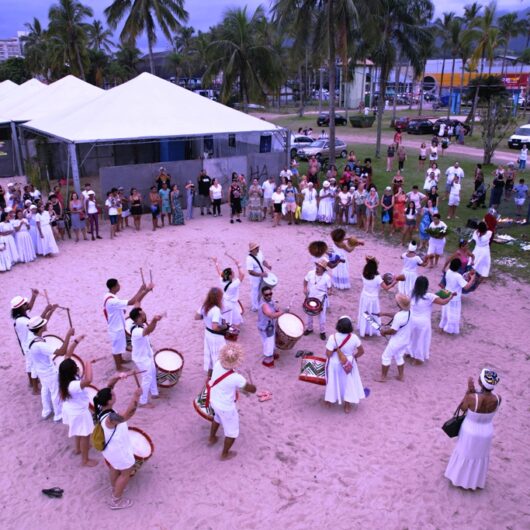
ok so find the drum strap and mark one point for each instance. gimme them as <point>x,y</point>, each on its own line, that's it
<point>227,286</point>
<point>36,339</point>
<point>18,338</point>
<point>105,307</point>
<point>218,380</point>
<point>257,261</point>
<point>343,342</point>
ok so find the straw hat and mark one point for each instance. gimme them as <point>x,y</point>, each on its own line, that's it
<point>325,184</point>
<point>36,323</point>
<point>403,301</point>
<point>252,246</point>
<point>322,262</point>
<point>18,301</point>
<point>231,355</point>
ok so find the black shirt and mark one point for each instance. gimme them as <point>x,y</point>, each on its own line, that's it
<point>204,185</point>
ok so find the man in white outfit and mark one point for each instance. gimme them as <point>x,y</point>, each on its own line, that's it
<point>256,265</point>
<point>317,284</point>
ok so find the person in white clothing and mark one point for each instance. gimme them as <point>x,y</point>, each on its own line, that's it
<point>114,311</point>
<point>398,345</point>
<point>411,262</point>
<point>286,173</point>
<point>317,284</point>
<point>268,188</point>
<point>268,314</point>
<point>75,400</point>
<point>118,451</point>
<point>454,198</point>
<point>42,354</point>
<point>142,352</point>
<point>326,204</point>
<point>6,234</point>
<point>482,238</point>
<point>20,308</point>
<point>222,391</point>
<point>309,204</point>
<point>278,198</point>
<point>25,248</point>
<point>343,382</point>
<point>256,265</point>
<point>46,243</point>
<point>437,230</point>
<point>230,283</point>
<point>450,173</point>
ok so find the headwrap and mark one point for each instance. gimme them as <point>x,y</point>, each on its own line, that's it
<point>412,247</point>
<point>489,378</point>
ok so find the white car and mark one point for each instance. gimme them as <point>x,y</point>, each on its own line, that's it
<point>320,149</point>
<point>299,141</point>
<point>521,136</point>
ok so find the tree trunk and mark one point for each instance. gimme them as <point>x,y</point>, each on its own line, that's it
<point>79,62</point>
<point>471,116</point>
<point>441,79</point>
<point>151,60</point>
<point>461,86</point>
<point>451,88</point>
<point>383,77</point>
<point>347,93</point>
<point>421,92</point>
<point>332,72</point>
<point>301,90</point>
<point>397,74</point>
<point>320,81</point>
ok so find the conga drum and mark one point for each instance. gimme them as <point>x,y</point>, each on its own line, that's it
<point>129,323</point>
<point>271,280</point>
<point>289,329</point>
<point>313,370</point>
<point>199,404</point>
<point>142,446</point>
<point>169,364</point>
<point>91,390</point>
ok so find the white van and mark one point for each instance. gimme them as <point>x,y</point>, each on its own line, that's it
<point>521,136</point>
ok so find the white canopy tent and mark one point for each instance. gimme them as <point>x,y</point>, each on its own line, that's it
<point>146,107</point>
<point>6,87</point>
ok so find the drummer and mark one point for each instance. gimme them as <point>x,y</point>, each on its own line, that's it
<point>223,387</point>
<point>256,265</point>
<point>20,307</point>
<point>317,284</point>
<point>114,309</point>
<point>42,354</point>
<point>142,352</point>
<point>230,283</point>
<point>268,314</point>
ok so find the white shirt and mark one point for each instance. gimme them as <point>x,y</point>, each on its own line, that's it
<point>42,357</point>
<point>411,264</point>
<point>92,208</point>
<point>141,345</point>
<point>278,197</point>
<point>25,336</point>
<point>373,286</point>
<point>421,308</point>
<point>310,195</point>
<point>84,193</point>
<point>416,197</point>
<point>287,173</point>
<point>112,205</point>
<point>523,154</point>
<point>440,225</point>
<point>453,171</point>
<point>35,194</point>
<point>318,285</point>
<point>344,197</point>
<point>268,188</point>
<point>430,181</point>
<point>231,294</point>
<point>223,394</point>
<point>115,308</point>
<point>482,241</point>
<point>78,400</point>
<point>213,316</point>
<point>43,218</point>
<point>400,324</point>
<point>216,191</point>
<point>349,349</point>
<point>455,189</point>
<point>454,282</point>
<point>252,266</point>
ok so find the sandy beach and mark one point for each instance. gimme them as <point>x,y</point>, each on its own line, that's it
<point>299,464</point>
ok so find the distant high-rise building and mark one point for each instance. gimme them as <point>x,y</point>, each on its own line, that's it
<point>12,47</point>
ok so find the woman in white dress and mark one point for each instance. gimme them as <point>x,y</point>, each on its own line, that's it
<point>231,284</point>
<point>118,451</point>
<point>436,244</point>
<point>5,257</point>
<point>454,283</point>
<point>341,247</point>
<point>326,205</point>
<point>46,242</point>
<point>421,303</point>
<point>25,248</point>
<point>31,216</point>
<point>343,382</point>
<point>369,301</point>
<point>6,232</point>
<point>214,327</point>
<point>411,262</point>
<point>76,413</point>
<point>309,204</point>
<point>482,237</point>
<point>468,465</point>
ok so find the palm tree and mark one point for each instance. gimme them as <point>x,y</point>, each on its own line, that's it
<point>36,48</point>
<point>455,37</point>
<point>245,57</point>
<point>143,16</point>
<point>99,37</point>
<point>123,66</point>
<point>68,27</point>
<point>442,28</point>
<point>510,26</point>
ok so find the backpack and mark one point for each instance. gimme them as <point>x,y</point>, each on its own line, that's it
<point>98,435</point>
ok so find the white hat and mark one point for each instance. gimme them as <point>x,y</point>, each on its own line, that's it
<point>10,185</point>
<point>18,301</point>
<point>27,201</point>
<point>8,209</point>
<point>36,323</point>
<point>388,188</point>
<point>325,184</point>
<point>91,192</point>
<point>33,207</point>
<point>412,247</point>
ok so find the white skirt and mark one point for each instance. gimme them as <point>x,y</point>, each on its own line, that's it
<point>80,424</point>
<point>5,260</point>
<point>341,275</point>
<point>47,244</point>
<point>232,312</point>
<point>212,345</point>
<point>309,211</point>
<point>370,304</point>
<point>407,286</point>
<point>11,247</point>
<point>33,232</point>
<point>436,246</point>
<point>451,312</point>
<point>482,260</point>
<point>26,250</point>
<point>340,386</point>
<point>420,338</point>
<point>326,211</point>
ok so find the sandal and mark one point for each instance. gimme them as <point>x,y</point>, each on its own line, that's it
<point>300,353</point>
<point>120,504</point>
<point>266,396</point>
<point>53,493</point>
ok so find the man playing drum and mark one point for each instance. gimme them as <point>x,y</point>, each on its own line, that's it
<point>113,309</point>
<point>268,315</point>
<point>142,353</point>
<point>222,388</point>
<point>256,265</point>
<point>317,284</point>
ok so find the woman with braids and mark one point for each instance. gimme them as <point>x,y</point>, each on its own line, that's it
<point>230,283</point>
<point>118,450</point>
<point>75,406</point>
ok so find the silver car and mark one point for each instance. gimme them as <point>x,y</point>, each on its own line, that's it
<point>320,149</point>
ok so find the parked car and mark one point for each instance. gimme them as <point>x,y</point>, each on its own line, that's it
<point>450,121</point>
<point>299,141</point>
<point>401,122</point>
<point>323,120</point>
<point>521,136</point>
<point>321,149</point>
<point>422,126</point>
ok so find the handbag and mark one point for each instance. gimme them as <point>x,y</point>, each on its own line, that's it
<point>452,426</point>
<point>348,365</point>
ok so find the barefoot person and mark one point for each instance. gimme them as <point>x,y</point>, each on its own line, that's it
<point>222,389</point>
<point>317,284</point>
<point>76,413</point>
<point>398,345</point>
<point>114,310</point>
<point>118,451</point>
<point>256,265</point>
<point>142,353</point>
<point>230,283</point>
<point>343,382</point>
<point>268,314</point>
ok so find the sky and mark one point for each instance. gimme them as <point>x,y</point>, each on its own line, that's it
<point>203,13</point>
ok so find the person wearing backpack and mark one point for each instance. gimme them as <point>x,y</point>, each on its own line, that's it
<point>116,447</point>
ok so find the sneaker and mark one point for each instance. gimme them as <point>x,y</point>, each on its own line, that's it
<point>231,221</point>
<point>209,213</point>
<point>99,237</point>
<point>202,213</point>
<point>238,220</point>
<point>120,504</point>
<point>323,336</point>
<point>308,332</point>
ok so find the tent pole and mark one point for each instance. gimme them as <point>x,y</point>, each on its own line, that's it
<point>16,145</point>
<point>75,167</point>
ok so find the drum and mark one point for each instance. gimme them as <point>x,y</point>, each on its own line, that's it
<point>288,330</point>
<point>271,280</point>
<point>129,323</point>
<point>199,404</point>
<point>312,306</point>
<point>232,334</point>
<point>169,364</point>
<point>54,341</point>
<point>313,370</point>
<point>58,359</point>
<point>91,390</point>
<point>142,446</point>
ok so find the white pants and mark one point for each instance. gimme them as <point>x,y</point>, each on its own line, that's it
<point>49,394</point>
<point>255,284</point>
<point>394,352</point>
<point>149,383</point>
<point>321,321</point>
<point>229,419</point>
<point>268,344</point>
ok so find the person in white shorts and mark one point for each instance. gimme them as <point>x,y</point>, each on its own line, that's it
<point>256,265</point>
<point>398,345</point>
<point>114,309</point>
<point>222,390</point>
<point>317,284</point>
<point>268,188</point>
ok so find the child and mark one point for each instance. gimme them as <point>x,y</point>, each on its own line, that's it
<point>521,192</point>
<point>454,197</point>
<point>190,194</point>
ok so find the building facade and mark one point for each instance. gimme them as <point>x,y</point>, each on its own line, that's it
<point>12,47</point>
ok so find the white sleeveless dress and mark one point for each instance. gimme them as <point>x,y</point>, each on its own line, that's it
<point>231,307</point>
<point>341,273</point>
<point>369,302</point>
<point>25,247</point>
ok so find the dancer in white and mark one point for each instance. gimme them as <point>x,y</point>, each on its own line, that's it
<point>256,265</point>
<point>317,284</point>
<point>326,206</point>
<point>46,243</point>
<point>482,237</point>
<point>343,382</point>
<point>309,204</point>
<point>408,276</point>
<point>437,230</point>
<point>25,248</point>
<point>342,247</point>
<point>230,283</point>
<point>369,301</point>
<point>31,217</point>
<point>6,233</point>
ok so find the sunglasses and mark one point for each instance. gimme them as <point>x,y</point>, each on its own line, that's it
<point>267,294</point>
